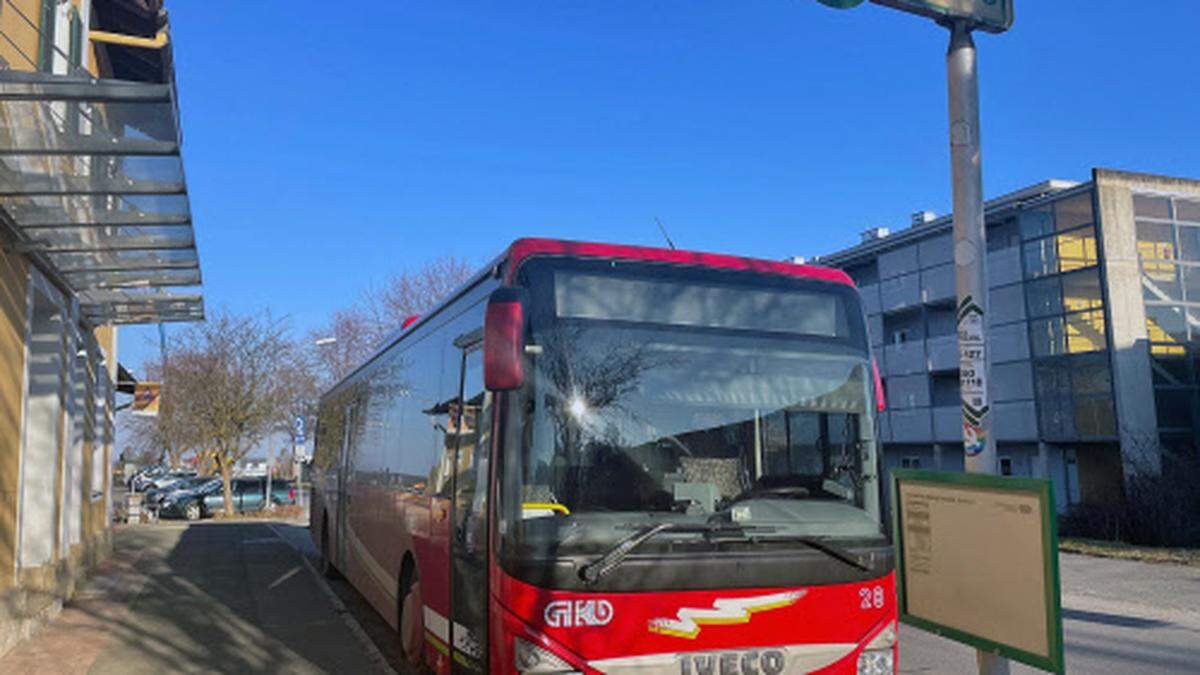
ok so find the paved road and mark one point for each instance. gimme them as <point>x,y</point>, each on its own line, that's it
<point>211,597</point>
<point>238,598</point>
<point>1119,617</point>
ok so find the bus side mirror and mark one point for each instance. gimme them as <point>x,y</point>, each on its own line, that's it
<point>504,340</point>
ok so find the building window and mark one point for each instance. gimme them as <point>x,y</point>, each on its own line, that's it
<point>1047,337</point>
<point>1081,290</point>
<point>1091,393</point>
<point>1043,297</point>
<point>1175,406</point>
<point>945,390</point>
<point>1040,258</point>
<point>1074,333</point>
<point>1077,249</point>
<point>1067,322</point>
<point>1172,370</point>
<point>1155,240</point>
<point>1052,384</point>
<point>1146,206</point>
<point>1003,235</point>
<point>1006,466</point>
<point>1034,223</point>
<point>1168,245</point>
<point>1167,325</point>
<point>1085,332</point>
<point>1187,210</point>
<point>910,462</point>
<point>1073,212</point>
<point>1075,397</point>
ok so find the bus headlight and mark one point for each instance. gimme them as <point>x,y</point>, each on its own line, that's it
<point>876,662</point>
<point>879,656</point>
<point>530,658</point>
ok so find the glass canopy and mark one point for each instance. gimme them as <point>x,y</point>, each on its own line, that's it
<point>92,184</point>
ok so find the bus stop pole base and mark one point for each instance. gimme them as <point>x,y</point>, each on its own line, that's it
<point>991,664</point>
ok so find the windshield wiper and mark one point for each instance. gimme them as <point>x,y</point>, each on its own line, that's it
<point>832,550</point>
<point>613,557</point>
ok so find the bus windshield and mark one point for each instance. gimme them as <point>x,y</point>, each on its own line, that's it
<point>679,394</point>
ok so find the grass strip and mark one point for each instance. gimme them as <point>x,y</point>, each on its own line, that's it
<point>1123,551</point>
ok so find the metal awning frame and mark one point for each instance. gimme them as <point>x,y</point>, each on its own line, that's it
<point>92,190</point>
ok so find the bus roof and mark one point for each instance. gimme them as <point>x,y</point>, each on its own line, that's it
<point>525,248</point>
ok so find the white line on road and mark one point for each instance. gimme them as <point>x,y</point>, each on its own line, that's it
<point>284,577</point>
<point>339,607</point>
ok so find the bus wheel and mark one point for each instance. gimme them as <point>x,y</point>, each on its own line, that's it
<point>327,568</point>
<point>411,623</point>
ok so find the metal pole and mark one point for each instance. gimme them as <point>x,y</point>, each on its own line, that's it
<point>970,263</point>
<point>267,505</point>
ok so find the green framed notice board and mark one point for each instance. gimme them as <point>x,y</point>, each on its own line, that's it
<point>977,562</point>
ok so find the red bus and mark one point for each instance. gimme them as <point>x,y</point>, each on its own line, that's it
<point>608,459</point>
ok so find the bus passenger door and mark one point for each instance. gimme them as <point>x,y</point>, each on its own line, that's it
<point>343,487</point>
<point>469,509</point>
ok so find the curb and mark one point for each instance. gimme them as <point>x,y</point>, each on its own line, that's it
<point>339,608</point>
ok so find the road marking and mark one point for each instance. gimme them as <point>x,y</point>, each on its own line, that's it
<point>284,577</point>
<point>339,607</point>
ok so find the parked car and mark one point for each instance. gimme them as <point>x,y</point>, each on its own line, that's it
<point>249,494</point>
<point>146,475</point>
<point>169,479</point>
<point>156,495</point>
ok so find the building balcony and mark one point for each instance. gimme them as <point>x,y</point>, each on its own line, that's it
<point>947,424</point>
<point>911,426</point>
<point>904,358</point>
<point>942,353</point>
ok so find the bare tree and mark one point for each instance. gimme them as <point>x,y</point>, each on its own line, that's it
<point>353,333</point>
<point>345,342</point>
<point>235,380</point>
<point>414,292</point>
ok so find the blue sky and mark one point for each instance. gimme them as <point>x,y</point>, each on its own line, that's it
<point>325,149</point>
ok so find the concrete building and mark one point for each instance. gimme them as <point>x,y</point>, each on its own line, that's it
<point>95,228</point>
<point>1094,331</point>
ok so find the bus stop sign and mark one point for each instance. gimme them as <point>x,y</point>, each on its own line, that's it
<point>994,16</point>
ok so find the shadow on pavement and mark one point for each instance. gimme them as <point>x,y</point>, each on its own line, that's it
<point>226,597</point>
<point>1113,619</point>
<point>381,634</point>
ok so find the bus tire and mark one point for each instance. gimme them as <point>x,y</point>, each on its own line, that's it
<point>410,620</point>
<point>327,569</point>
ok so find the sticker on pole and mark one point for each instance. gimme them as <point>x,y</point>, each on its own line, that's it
<point>972,378</point>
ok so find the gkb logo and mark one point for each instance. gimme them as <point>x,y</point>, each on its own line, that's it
<point>573,613</point>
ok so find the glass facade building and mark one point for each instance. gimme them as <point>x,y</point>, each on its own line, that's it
<point>1168,245</point>
<point>1094,329</point>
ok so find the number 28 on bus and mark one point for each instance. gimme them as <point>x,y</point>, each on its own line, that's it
<point>606,459</point>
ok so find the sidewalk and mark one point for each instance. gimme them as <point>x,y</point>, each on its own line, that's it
<point>210,597</point>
